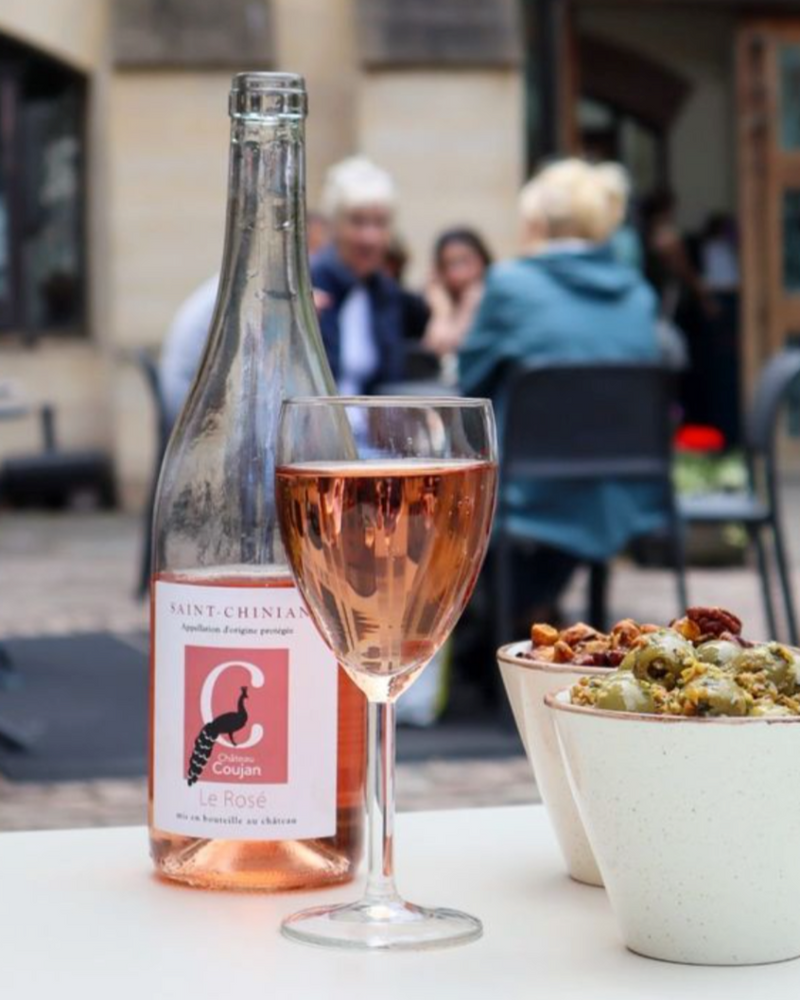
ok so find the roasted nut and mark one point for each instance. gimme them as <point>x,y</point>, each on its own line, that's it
<point>594,646</point>
<point>714,621</point>
<point>687,628</point>
<point>541,654</point>
<point>562,652</point>
<point>544,635</point>
<point>624,632</point>
<point>575,635</point>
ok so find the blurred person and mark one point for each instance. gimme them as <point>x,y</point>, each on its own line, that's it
<point>184,345</point>
<point>460,260</point>
<point>188,332</point>
<point>415,308</point>
<point>668,263</point>
<point>360,306</point>
<point>318,232</point>
<point>565,299</point>
<point>720,254</point>
<point>396,261</point>
<point>684,299</point>
<point>719,258</point>
<point>626,244</point>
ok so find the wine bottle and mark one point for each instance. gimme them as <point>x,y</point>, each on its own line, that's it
<point>257,737</point>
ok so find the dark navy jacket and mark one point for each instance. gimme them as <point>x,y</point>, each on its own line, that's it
<point>330,275</point>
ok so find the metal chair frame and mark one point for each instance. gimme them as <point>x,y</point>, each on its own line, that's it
<point>778,377</point>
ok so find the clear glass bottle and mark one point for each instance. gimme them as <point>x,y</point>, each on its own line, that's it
<point>257,740</point>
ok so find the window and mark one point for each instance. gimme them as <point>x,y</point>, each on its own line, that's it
<point>42,193</point>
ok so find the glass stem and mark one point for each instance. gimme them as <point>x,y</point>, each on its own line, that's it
<point>380,801</point>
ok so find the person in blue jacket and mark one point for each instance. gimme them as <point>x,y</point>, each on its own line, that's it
<point>566,299</point>
<point>360,307</point>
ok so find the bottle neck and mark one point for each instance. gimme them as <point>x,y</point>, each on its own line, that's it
<point>266,256</point>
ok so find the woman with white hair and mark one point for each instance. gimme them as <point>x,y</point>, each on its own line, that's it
<point>361,311</point>
<point>566,299</point>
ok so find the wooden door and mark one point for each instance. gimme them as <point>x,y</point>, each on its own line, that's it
<point>768,98</point>
<point>569,69</point>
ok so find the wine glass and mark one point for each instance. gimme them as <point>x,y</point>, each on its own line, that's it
<point>385,508</point>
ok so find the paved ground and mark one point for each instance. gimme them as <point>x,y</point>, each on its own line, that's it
<point>75,573</point>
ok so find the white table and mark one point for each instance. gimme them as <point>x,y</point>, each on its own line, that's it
<point>81,917</point>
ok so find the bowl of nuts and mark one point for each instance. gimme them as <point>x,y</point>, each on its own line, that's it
<point>554,659</point>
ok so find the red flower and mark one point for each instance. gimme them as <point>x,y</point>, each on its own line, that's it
<point>699,437</point>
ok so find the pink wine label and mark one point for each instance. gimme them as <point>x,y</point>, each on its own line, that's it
<point>236,715</point>
<point>245,715</point>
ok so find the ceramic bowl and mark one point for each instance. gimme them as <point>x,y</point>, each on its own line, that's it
<point>527,682</point>
<point>695,824</point>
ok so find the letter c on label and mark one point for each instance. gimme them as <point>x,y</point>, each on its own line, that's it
<point>207,696</point>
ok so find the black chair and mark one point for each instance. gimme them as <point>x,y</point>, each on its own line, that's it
<point>149,368</point>
<point>53,476</point>
<point>580,424</point>
<point>758,508</point>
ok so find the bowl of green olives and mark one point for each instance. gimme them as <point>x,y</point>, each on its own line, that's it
<point>685,766</point>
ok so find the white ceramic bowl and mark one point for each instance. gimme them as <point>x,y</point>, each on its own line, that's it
<point>695,824</point>
<point>527,682</point>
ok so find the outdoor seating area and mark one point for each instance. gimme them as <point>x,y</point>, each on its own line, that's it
<point>399,498</point>
<point>86,599</point>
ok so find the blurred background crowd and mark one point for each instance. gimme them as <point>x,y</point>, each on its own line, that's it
<point>492,186</point>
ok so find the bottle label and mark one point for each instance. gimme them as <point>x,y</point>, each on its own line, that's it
<point>245,715</point>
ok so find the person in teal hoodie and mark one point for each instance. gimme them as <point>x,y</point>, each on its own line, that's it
<point>566,299</point>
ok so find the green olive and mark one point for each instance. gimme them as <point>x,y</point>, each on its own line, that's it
<point>718,652</point>
<point>776,661</point>
<point>764,707</point>
<point>661,657</point>
<point>716,693</point>
<point>622,692</point>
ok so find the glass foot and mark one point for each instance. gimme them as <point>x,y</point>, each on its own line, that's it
<point>392,925</point>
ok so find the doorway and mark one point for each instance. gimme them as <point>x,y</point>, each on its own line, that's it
<point>656,91</point>
<point>702,99</point>
<point>768,65</point>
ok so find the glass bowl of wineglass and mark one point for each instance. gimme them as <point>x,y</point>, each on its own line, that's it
<point>385,507</point>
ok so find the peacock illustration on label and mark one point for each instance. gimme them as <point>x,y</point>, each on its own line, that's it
<point>236,715</point>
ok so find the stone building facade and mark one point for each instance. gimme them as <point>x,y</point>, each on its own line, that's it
<point>457,98</point>
<point>446,120</point>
